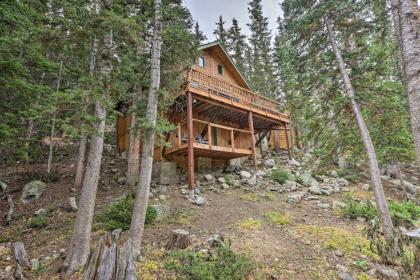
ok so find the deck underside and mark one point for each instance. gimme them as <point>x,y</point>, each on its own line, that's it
<point>204,150</point>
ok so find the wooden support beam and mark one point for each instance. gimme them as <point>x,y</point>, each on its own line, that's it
<point>262,137</point>
<point>251,129</point>
<point>191,182</point>
<point>232,140</point>
<point>289,151</point>
<point>210,136</point>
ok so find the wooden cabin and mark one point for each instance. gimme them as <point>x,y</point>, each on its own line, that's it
<point>220,113</point>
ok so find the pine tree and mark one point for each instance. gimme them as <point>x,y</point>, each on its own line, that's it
<point>199,36</point>
<point>221,33</point>
<point>237,43</point>
<point>261,73</point>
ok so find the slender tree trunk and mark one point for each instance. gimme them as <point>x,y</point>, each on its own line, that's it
<point>406,16</point>
<point>79,246</point>
<point>133,153</point>
<point>367,141</point>
<point>80,166</point>
<point>50,154</point>
<point>142,195</point>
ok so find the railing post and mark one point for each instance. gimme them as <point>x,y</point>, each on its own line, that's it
<point>191,182</point>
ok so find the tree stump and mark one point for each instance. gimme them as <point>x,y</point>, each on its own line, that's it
<point>179,239</point>
<point>111,259</point>
<point>72,203</point>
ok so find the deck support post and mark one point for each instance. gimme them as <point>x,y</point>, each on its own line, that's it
<point>190,127</point>
<point>289,151</point>
<point>251,129</point>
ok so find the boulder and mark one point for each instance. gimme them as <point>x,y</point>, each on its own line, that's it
<point>315,190</point>
<point>293,162</point>
<point>221,180</point>
<point>308,180</point>
<point>3,186</point>
<point>387,272</point>
<point>294,198</point>
<point>269,163</point>
<point>245,174</point>
<point>162,211</point>
<point>252,181</point>
<point>32,191</point>
<point>410,188</point>
<point>208,177</point>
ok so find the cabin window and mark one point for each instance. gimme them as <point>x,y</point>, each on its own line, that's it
<point>201,61</point>
<point>220,69</point>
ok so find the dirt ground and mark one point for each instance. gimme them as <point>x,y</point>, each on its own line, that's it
<point>297,250</point>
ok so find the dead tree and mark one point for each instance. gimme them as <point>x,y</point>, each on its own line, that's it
<point>364,133</point>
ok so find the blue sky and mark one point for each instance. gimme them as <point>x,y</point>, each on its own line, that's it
<point>207,12</point>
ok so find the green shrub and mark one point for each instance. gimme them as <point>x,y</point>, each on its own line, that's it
<point>280,176</point>
<point>118,215</point>
<point>38,222</point>
<point>298,179</point>
<point>401,212</point>
<point>222,263</point>
<point>229,179</point>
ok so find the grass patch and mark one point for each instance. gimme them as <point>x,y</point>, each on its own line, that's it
<point>38,222</point>
<point>268,196</point>
<point>278,218</point>
<point>280,176</point>
<point>401,212</point>
<point>250,197</point>
<point>118,215</point>
<point>250,224</point>
<point>221,263</point>
<point>333,238</point>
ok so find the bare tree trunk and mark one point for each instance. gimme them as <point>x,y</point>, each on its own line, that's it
<point>50,154</point>
<point>80,166</point>
<point>133,153</point>
<point>406,16</point>
<point>79,246</point>
<point>367,141</point>
<point>142,195</point>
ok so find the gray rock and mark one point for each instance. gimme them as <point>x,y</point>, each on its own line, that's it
<point>221,180</point>
<point>40,212</point>
<point>294,198</point>
<point>245,174</point>
<point>290,185</point>
<point>308,180</point>
<point>366,187</point>
<point>35,264</point>
<point>225,186</point>
<point>269,163</point>
<point>199,200</point>
<point>342,182</point>
<point>324,205</point>
<point>315,190</point>
<point>162,211</point>
<point>208,177</point>
<point>260,173</point>
<point>327,190</point>
<point>215,240</point>
<point>414,233</point>
<point>32,191</point>
<point>387,272</point>
<point>343,275</point>
<point>197,190</point>
<point>3,186</point>
<point>293,162</point>
<point>121,180</point>
<point>410,188</point>
<point>252,181</point>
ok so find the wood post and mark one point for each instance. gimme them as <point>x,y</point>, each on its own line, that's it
<point>209,137</point>
<point>232,140</point>
<point>190,141</point>
<point>251,129</point>
<point>289,151</point>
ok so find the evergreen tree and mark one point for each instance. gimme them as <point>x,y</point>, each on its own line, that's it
<point>199,36</point>
<point>261,73</point>
<point>221,33</point>
<point>237,43</point>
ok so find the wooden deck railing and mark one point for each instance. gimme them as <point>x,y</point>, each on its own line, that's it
<point>204,81</point>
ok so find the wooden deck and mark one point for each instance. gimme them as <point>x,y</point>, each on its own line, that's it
<point>212,87</point>
<point>205,150</point>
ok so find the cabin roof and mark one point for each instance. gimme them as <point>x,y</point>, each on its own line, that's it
<point>220,50</point>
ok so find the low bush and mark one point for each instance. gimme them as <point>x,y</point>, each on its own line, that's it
<point>118,215</point>
<point>229,179</point>
<point>250,224</point>
<point>220,263</point>
<point>280,176</point>
<point>38,222</point>
<point>278,218</point>
<point>401,212</point>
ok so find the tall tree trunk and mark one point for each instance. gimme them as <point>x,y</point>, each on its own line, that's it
<point>50,154</point>
<point>133,153</point>
<point>79,246</point>
<point>406,16</point>
<point>142,194</point>
<point>80,166</point>
<point>367,141</point>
